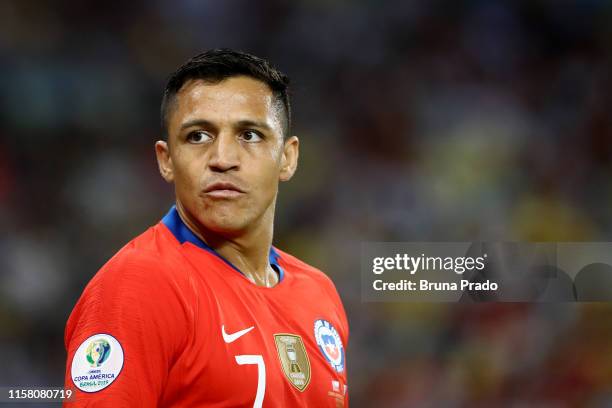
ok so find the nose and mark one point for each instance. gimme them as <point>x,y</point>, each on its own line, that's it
<point>224,154</point>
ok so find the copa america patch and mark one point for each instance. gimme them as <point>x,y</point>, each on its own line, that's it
<point>329,343</point>
<point>97,363</point>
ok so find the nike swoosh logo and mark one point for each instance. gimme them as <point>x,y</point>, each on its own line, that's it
<point>229,338</point>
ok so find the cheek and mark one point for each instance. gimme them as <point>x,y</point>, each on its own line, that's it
<point>269,163</point>
<point>267,179</point>
<point>188,171</point>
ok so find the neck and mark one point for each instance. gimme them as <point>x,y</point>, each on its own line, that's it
<point>248,251</point>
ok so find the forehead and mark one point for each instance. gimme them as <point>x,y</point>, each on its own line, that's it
<point>230,100</point>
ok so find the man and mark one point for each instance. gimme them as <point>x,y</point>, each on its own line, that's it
<point>200,310</point>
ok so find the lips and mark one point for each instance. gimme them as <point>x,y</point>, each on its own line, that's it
<point>223,190</point>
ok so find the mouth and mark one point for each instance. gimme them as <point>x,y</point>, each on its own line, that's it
<point>223,190</point>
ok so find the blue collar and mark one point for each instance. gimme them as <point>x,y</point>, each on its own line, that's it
<point>182,233</point>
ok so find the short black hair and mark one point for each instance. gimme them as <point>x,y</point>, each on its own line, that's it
<point>214,66</point>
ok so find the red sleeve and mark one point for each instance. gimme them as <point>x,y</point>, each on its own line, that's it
<point>134,306</point>
<point>344,332</point>
<point>341,313</point>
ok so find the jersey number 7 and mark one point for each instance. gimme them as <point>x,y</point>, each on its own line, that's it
<point>261,375</point>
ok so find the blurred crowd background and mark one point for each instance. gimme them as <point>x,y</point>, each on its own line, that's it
<point>419,121</point>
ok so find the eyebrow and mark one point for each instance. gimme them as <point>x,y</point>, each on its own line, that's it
<point>253,123</point>
<point>197,122</point>
<point>240,124</point>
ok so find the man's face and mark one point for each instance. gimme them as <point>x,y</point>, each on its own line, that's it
<point>225,153</point>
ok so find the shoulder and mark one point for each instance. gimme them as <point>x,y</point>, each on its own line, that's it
<point>302,270</point>
<point>308,273</point>
<point>139,276</point>
<point>146,268</point>
<point>149,259</point>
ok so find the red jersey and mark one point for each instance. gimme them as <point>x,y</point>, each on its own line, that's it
<point>168,322</point>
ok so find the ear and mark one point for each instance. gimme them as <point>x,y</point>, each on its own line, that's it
<point>164,161</point>
<point>289,160</point>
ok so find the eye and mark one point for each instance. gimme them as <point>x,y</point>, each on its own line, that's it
<point>198,136</point>
<point>251,136</point>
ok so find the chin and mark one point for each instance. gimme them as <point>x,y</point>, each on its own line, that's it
<point>225,225</point>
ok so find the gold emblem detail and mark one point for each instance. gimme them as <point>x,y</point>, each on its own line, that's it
<point>293,358</point>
